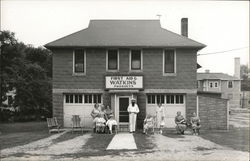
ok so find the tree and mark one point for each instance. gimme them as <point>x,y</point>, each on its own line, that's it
<point>27,70</point>
<point>244,70</point>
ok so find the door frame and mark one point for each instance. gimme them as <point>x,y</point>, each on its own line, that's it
<point>118,106</point>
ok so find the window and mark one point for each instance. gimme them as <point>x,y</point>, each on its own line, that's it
<point>211,84</point>
<point>169,61</point>
<point>230,84</point>
<point>151,99</point>
<point>69,98</point>
<point>160,99</point>
<point>216,84</point>
<point>170,98</point>
<point>136,63</point>
<point>79,61</point>
<point>80,98</point>
<point>179,99</point>
<point>112,60</point>
<point>88,98</point>
<point>97,98</point>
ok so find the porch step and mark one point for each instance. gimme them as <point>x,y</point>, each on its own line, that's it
<point>123,127</point>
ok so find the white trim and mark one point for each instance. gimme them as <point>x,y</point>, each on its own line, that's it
<point>84,67</point>
<point>118,60</point>
<point>130,59</point>
<point>197,106</point>
<point>228,83</point>
<point>163,63</point>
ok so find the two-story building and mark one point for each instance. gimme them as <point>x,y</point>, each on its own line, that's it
<point>229,87</point>
<point>112,61</point>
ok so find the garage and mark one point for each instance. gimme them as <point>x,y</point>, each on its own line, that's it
<point>82,105</point>
<point>171,104</point>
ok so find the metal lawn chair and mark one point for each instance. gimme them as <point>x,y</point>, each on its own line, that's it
<point>76,123</point>
<point>53,125</point>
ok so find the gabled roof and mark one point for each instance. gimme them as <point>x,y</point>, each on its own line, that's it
<point>215,76</point>
<point>125,33</point>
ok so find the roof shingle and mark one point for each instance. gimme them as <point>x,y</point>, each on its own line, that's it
<point>215,76</point>
<point>125,33</point>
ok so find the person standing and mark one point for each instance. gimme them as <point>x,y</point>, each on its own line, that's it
<point>159,117</point>
<point>94,113</point>
<point>133,110</point>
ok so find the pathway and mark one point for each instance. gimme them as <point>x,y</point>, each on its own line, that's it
<point>122,141</point>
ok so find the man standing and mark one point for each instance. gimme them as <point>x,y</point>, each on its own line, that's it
<point>132,110</point>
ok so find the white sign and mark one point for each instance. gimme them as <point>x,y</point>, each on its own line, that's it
<point>124,82</point>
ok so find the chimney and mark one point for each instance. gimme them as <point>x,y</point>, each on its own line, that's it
<point>184,27</point>
<point>237,67</point>
<point>207,71</point>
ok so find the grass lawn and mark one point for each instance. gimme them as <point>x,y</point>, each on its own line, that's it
<point>236,138</point>
<point>14,134</point>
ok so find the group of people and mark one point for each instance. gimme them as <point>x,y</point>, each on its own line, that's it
<point>158,121</point>
<point>181,123</point>
<point>103,117</point>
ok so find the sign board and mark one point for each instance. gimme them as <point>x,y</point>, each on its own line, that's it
<point>124,82</point>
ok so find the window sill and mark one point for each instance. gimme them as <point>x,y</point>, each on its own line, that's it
<point>170,74</point>
<point>79,74</point>
<point>135,71</point>
<point>112,71</point>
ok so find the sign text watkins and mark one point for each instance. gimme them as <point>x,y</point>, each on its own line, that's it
<point>124,82</point>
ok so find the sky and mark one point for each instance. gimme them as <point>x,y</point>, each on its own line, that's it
<point>221,25</point>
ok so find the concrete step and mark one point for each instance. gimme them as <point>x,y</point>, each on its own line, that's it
<point>123,127</point>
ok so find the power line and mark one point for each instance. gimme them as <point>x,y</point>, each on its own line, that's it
<point>224,51</point>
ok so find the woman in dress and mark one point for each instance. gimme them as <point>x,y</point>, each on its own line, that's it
<point>195,123</point>
<point>159,117</point>
<point>180,123</point>
<point>94,113</point>
<point>108,111</point>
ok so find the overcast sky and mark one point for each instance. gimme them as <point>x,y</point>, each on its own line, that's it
<point>221,25</point>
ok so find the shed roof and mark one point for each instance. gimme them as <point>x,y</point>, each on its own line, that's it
<point>125,33</point>
<point>215,76</point>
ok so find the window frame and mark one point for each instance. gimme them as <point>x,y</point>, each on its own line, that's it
<point>118,61</point>
<point>172,97</point>
<point>228,84</point>
<point>163,61</point>
<point>84,65</point>
<point>130,61</point>
<point>83,98</point>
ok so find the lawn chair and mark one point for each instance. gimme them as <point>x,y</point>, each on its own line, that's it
<point>76,123</point>
<point>53,124</point>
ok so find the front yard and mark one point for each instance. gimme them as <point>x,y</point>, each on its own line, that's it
<point>31,141</point>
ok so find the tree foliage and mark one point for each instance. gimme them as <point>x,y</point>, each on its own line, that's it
<point>27,70</point>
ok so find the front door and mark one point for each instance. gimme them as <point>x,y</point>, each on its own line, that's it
<point>123,113</point>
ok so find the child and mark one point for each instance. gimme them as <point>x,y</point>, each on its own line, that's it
<point>99,123</point>
<point>148,123</point>
<point>162,124</point>
<point>111,122</point>
<point>195,122</point>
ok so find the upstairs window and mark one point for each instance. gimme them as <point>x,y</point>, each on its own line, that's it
<point>79,61</point>
<point>136,60</point>
<point>230,84</point>
<point>112,60</point>
<point>169,61</point>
